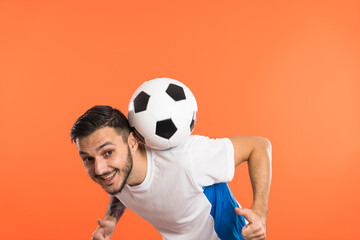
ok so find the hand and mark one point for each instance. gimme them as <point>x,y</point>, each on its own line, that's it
<point>256,228</point>
<point>105,229</point>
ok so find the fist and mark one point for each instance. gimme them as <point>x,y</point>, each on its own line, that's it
<point>104,230</point>
<point>256,228</point>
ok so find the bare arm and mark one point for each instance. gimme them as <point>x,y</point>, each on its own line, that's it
<point>257,152</point>
<point>115,208</point>
<point>106,226</point>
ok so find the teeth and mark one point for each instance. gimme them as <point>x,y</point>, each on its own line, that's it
<point>109,176</point>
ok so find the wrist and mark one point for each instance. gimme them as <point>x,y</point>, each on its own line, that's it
<point>110,218</point>
<point>260,209</point>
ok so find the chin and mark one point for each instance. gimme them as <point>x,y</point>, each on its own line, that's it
<point>113,190</point>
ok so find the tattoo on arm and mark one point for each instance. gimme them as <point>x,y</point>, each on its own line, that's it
<point>116,208</point>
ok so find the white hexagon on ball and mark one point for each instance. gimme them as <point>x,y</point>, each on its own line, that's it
<point>162,113</point>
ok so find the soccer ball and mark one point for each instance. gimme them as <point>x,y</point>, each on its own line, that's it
<point>162,113</point>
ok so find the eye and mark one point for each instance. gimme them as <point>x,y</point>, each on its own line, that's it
<point>88,159</point>
<point>108,153</point>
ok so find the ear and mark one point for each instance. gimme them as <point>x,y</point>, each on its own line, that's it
<point>132,142</point>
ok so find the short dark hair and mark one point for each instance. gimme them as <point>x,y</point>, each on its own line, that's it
<point>98,117</point>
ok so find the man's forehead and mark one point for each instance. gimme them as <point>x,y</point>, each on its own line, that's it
<point>97,138</point>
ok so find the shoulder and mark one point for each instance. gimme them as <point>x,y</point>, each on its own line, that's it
<point>203,140</point>
<point>194,146</point>
<point>198,145</point>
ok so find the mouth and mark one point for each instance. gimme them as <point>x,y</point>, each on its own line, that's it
<point>108,179</point>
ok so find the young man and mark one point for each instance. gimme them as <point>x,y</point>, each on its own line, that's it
<point>181,191</point>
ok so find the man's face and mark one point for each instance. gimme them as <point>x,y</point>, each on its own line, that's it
<point>107,158</point>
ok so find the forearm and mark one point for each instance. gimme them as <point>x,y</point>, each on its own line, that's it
<point>259,164</point>
<point>115,209</point>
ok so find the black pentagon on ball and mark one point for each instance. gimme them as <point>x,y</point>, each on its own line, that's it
<point>165,128</point>
<point>175,92</point>
<point>141,101</point>
<point>192,124</point>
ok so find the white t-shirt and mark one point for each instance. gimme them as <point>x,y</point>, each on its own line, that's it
<point>172,197</point>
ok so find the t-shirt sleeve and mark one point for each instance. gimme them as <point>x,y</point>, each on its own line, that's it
<point>212,160</point>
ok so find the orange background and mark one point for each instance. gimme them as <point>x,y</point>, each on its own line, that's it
<point>286,70</point>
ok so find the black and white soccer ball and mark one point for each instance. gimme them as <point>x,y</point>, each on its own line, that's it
<point>162,113</point>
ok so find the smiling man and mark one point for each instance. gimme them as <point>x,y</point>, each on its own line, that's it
<point>182,191</point>
<point>107,161</point>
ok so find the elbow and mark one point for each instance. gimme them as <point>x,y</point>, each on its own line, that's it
<point>265,144</point>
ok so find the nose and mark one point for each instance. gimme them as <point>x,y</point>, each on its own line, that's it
<point>100,166</point>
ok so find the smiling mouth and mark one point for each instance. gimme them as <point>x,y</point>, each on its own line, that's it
<point>107,178</point>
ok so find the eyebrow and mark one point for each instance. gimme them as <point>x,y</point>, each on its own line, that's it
<point>98,148</point>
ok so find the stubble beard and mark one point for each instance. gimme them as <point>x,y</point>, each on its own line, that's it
<point>124,172</point>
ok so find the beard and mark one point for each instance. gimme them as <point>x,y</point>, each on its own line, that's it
<point>125,172</point>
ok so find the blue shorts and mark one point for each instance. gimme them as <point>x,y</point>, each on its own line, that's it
<point>228,224</point>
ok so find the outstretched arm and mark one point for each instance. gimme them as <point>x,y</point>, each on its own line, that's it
<point>106,226</point>
<point>257,152</point>
<point>115,208</point>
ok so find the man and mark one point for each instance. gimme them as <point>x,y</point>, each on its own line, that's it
<point>182,191</point>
